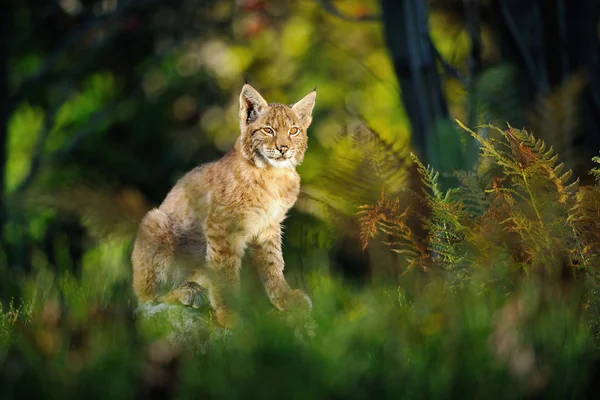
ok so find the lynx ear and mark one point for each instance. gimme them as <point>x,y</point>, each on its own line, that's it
<point>304,107</point>
<point>251,105</point>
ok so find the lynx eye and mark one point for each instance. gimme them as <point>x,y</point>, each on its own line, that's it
<point>268,131</point>
<point>294,131</point>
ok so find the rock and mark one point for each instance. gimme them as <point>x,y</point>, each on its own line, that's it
<point>188,327</point>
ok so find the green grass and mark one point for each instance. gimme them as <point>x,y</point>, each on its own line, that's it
<point>373,342</point>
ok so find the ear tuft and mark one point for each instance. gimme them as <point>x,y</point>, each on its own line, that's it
<point>304,107</point>
<point>251,105</point>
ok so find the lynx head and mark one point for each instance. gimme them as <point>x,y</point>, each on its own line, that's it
<point>274,134</point>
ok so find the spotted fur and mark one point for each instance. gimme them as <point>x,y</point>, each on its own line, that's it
<point>202,229</point>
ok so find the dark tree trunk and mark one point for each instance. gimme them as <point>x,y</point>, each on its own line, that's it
<point>434,137</point>
<point>407,36</point>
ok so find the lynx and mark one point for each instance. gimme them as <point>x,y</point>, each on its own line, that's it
<point>196,239</point>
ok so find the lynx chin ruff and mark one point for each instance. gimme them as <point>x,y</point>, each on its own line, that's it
<point>196,238</point>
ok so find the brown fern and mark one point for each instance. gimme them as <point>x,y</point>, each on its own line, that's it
<point>385,216</point>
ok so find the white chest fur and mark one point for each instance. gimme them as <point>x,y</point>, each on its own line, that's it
<point>274,193</point>
<point>269,212</point>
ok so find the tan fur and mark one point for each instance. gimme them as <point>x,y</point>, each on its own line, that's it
<point>198,235</point>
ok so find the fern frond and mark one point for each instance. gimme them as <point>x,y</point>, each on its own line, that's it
<point>373,216</point>
<point>429,178</point>
<point>447,219</point>
<point>473,196</point>
<point>596,171</point>
<point>322,205</point>
<point>584,218</point>
<point>488,149</point>
<point>532,211</point>
<point>386,217</point>
<point>555,116</point>
<point>360,162</point>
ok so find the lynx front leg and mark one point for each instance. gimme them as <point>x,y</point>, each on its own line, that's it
<point>267,254</point>
<point>224,252</point>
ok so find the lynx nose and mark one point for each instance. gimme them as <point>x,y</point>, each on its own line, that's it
<point>283,149</point>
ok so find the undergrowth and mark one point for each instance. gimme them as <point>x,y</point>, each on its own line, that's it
<point>498,300</point>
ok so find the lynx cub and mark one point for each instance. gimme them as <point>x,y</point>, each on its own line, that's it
<point>197,237</point>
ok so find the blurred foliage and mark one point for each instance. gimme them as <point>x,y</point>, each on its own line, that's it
<point>382,341</point>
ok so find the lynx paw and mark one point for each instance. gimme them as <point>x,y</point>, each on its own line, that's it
<point>297,300</point>
<point>225,318</point>
<point>191,294</point>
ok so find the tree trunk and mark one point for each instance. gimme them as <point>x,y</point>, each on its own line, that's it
<point>407,36</point>
<point>435,139</point>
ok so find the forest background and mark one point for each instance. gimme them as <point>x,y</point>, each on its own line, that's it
<point>479,280</point>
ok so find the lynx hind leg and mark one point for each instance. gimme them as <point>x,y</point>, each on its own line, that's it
<point>189,294</point>
<point>152,254</point>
